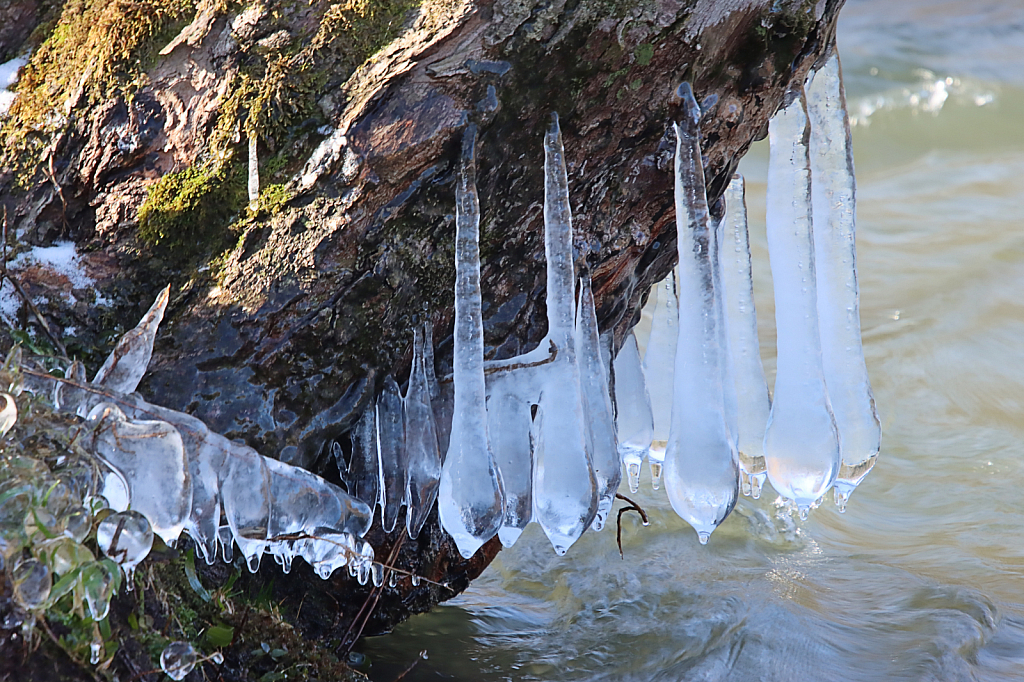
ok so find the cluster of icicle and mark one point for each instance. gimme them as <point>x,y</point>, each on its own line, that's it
<point>530,438</point>
<point>172,470</point>
<point>721,433</point>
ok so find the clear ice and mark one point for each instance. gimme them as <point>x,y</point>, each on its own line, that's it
<point>801,443</point>
<point>634,420</point>
<point>597,403</point>
<point>833,197</point>
<point>126,365</point>
<point>391,446</point>
<point>126,537</point>
<point>178,659</point>
<point>364,469</point>
<point>752,401</point>
<point>423,461</point>
<point>701,467</point>
<point>508,427</point>
<point>659,370</point>
<point>564,486</point>
<point>470,499</point>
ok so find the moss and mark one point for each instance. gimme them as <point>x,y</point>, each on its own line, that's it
<point>94,50</point>
<point>189,210</point>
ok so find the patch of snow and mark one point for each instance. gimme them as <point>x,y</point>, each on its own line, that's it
<point>8,78</point>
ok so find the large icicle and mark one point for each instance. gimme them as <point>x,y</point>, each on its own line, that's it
<point>659,369</point>
<point>391,448</point>
<point>597,402</point>
<point>423,460</point>
<point>508,428</point>
<point>634,421</point>
<point>752,402</point>
<point>564,487</point>
<point>364,473</point>
<point>801,444</point>
<point>833,194</point>
<point>470,501</point>
<point>701,468</point>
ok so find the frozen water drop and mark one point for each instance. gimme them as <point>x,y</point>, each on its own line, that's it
<point>217,657</point>
<point>77,523</point>
<point>94,652</point>
<point>803,511</point>
<point>377,575</point>
<point>125,537</point>
<point>98,584</point>
<point>656,470</point>
<point>703,537</point>
<point>178,659</point>
<point>31,581</point>
<point>415,581</point>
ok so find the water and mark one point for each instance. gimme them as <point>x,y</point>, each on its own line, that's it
<point>923,577</point>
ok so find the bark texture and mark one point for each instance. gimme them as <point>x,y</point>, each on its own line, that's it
<point>286,321</point>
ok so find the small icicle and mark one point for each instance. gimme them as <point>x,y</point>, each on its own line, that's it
<point>833,193</point>
<point>634,421</point>
<point>701,467</point>
<point>752,402</point>
<point>659,370</point>
<point>391,445</point>
<point>597,403</point>
<point>364,469</point>
<point>126,365</point>
<point>564,486</point>
<point>254,173</point>
<point>508,429</point>
<point>441,399</point>
<point>470,499</point>
<point>423,472</point>
<point>801,444</point>
<point>245,491</point>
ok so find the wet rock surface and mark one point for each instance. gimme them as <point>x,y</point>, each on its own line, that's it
<point>283,339</point>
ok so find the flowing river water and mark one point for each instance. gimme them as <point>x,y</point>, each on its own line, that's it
<point>923,577</point>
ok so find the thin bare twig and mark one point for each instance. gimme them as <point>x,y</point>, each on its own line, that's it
<point>633,506</point>
<point>421,657</point>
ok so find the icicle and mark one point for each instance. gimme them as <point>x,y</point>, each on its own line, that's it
<point>701,468</point>
<point>391,446</point>
<point>441,399</point>
<point>634,421</point>
<point>423,472</point>
<point>127,363</point>
<point>508,428</point>
<point>752,400</point>
<point>245,490</point>
<point>833,193</point>
<point>801,444</point>
<point>564,487</point>
<point>597,403</point>
<point>470,501</point>
<point>205,453</point>
<point>364,469</point>
<point>150,456</point>
<point>659,369</point>
<point>254,173</point>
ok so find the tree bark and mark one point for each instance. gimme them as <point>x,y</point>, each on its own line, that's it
<point>285,337</point>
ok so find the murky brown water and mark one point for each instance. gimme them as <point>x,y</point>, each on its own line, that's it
<point>923,577</point>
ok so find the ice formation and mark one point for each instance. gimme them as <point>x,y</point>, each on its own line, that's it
<point>423,461</point>
<point>470,500</point>
<point>391,449</point>
<point>701,468</point>
<point>659,370</point>
<point>168,469</point>
<point>801,444</point>
<point>752,402</point>
<point>634,419</point>
<point>833,197</point>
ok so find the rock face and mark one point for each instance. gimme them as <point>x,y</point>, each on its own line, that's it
<point>290,313</point>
